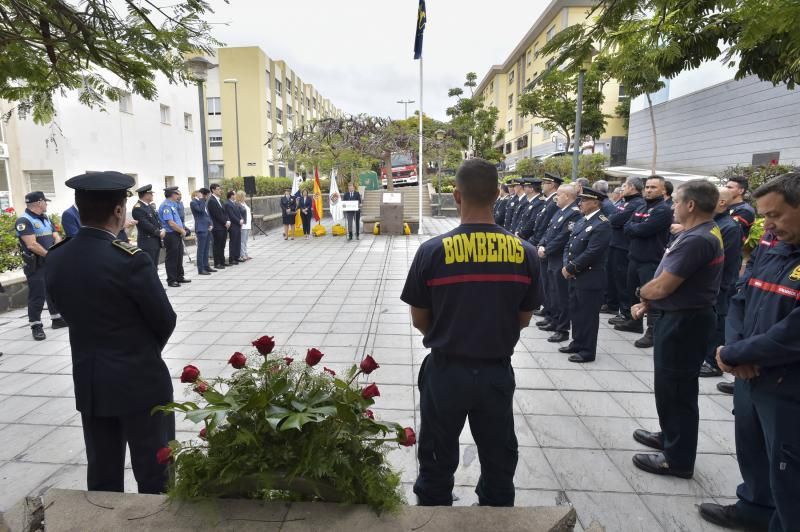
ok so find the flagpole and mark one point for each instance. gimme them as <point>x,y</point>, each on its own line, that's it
<point>420,165</point>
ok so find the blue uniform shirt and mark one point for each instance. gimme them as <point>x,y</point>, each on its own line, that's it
<point>169,211</point>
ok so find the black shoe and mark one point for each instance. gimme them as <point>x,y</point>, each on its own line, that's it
<point>203,273</point>
<point>211,270</point>
<point>233,263</point>
<point>547,328</point>
<point>616,320</point>
<point>220,266</point>
<point>644,342</point>
<point>184,280</point>
<point>725,387</point>
<point>357,238</point>
<point>728,517</point>
<point>538,312</point>
<point>657,464</point>
<point>578,359</point>
<point>707,370</point>
<point>38,332</point>
<point>605,309</point>
<point>543,323</point>
<point>559,337</point>
<point>654,440</point>
<point>634,326</point>
<point>174,284</point>
<point>58,323</point>
<point>568,350</point>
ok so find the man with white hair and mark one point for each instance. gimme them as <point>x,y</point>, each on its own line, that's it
<point>607,207</point>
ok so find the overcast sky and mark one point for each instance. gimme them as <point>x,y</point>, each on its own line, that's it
<point>359,53</point>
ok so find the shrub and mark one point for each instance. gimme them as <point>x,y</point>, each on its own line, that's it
<point>10,258</point>
<point>590,166</point>
<point>756,175</point>
<point>273,186</point>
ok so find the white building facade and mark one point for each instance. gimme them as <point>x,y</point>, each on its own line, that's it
<point>156,142</point>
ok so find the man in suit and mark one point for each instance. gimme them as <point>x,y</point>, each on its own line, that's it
<point>71,221</point>
<point>235,229</point>
<point>353,217</point>
<point>150,232</point>
<point>202,228</point>
<point>585,271</point>
<point>108,291</point>
<point>220,223</point>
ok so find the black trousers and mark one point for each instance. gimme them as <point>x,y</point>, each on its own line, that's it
<point>37,295</point>
<point>174,260</point>
<point>219,236</point>
<point>235,243</point>
<point>106,438</point>
<point>584,313</point>
<point>452,390</point>
<point>151,246</point>
<point>559,300</point>
<point>680,343</point>
<point>545,284</point>
<point>718,338</point>
<point>306,218</point>
<point>616,291</point>
<point>638,274</point>
<point>353,219</point>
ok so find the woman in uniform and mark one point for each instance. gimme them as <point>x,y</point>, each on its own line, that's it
<point>289,211</point>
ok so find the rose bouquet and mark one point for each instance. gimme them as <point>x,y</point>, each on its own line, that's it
<point>280,429</point>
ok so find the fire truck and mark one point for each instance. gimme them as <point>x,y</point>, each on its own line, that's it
<point>404,169</point>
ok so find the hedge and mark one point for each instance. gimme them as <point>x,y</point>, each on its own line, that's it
<point>591,166</point>
<point>10,258</point>
<point>273,186</point>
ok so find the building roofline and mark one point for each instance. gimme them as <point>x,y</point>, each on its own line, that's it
<point>538,27</point>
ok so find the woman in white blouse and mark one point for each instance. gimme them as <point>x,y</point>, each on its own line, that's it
<point>248,221</point>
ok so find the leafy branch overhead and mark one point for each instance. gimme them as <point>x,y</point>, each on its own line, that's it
<point>90,46</point>
<point>474,124</point>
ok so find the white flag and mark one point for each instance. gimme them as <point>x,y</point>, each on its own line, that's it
<point>335,200</point>
<point>296,185</point>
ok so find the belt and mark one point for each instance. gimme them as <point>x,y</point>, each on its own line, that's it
<point>470,361</point>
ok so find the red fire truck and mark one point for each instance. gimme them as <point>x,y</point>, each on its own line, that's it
<point>404,169</point>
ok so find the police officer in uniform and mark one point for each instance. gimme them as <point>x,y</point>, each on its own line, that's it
<point>110,295</point>
<point>455,281</point>
<point>741,211</point>
<point>684,291</point>
<point>618,250</point>
<point>762,349</point>
<point>550,184</point>
<point>585,271</point>
<point>173,239</point>
<point>36,236</point>
<point>533,191</point>
<point>551,249</point>
<point>511,210</point>
<point>500,205</point>
<point>150,232</point>
<point>522,204</point>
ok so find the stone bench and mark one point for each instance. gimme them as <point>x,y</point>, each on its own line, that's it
<point>68,510</point>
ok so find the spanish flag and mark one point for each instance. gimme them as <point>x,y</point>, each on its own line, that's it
<point>317,197</point>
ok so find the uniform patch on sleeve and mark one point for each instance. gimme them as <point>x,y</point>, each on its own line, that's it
<point>127,247</point>
<point>795,275</point>
<point>602,217</point>
<point>20,227</point>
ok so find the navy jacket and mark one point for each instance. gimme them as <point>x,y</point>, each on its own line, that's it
<point>543,219</point>
<point>219,216</point>
<point>620,217</point>
<point>743,214</point>
<point>234,214</point>
<point>510,211</point>
<point>71,221</point>
<point>557,236</point>
<point>528,222</point>
<point>306,203</point>
<point>608,208</point>
<point>148,224</point>
<point>202,219</point>
<point>586,253</point>
<point>499,211</point>
<point>519,213</point>
<point>119,320</point>
<point>648,231</point>
<point>763,324</point>
<point>732,243</point>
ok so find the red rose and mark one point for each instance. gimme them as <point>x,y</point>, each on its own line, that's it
<point>369,414</point>
<point>288,360</point>
<point>190,374</point>
<point>201,387</point>
<point>370,391</point>
<point>408,438</point>
<point>203,434</point>
<point>237,360</point>
<point>265,344</point>
<point>313,356</point>
<point>326,370</point>
<point>10,210</point>
<point>164,456</point>
<point>368,365</point>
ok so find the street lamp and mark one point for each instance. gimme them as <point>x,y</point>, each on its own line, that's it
<point>405,103</point>
<point>198,67</point>
<point>439,134</point>
<point>235,83</point>
<point>578,112</point>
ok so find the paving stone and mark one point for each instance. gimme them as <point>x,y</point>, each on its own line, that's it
<point>14,407</point>
<point>561,431</point>
<point>679,514</point>
<point>613,511</point>
<point>583,469</point>
<point>541,402</point>
<point>594,404</point>
<point>19,479</point>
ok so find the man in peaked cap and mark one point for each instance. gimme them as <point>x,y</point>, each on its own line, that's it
<point>150,231</point>
<point>513,203</point>
<point>533,191</point>
<point>109,293</point>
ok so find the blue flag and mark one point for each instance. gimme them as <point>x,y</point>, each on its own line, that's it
<point>422,18</point>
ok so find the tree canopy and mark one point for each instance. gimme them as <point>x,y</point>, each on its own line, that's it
<point>471,120</point>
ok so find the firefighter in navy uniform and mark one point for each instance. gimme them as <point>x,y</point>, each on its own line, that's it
<point>470,291</point>
<point>149,231</point>
<point>36,236</point>
<point>550,184</point>
<point>533,189</point>
<point>551,249</point>
<point>618,249</point>
<point>119,321</point>
<point>511,210</point>
<point>585,270</point>
<point>500,206</point>
<point>741,211</point>
<point>762,349</point>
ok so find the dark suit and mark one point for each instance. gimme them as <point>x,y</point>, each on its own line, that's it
<point>585,257</point>
<point>71,221</point>
<point>554,242</point>
<point>353,217</point>
<point>119,321</point>
<point>219,217</point>
<point>235,232</point>
<point>540,224</point>
<point>202,222</point>
<point>306,204</point>
<point>148,230</point>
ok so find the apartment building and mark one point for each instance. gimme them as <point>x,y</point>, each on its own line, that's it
<point>272,100</point>
<point>503,84</point>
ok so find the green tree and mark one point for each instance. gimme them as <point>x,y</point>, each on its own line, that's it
<point>553,99</point>
<point>60,45</point>
<point>474,125</point>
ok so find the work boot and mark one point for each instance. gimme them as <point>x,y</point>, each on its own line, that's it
<point>634,326</point>
<point>38,332</point>
<point>645,341</point>
<point>58,323</point>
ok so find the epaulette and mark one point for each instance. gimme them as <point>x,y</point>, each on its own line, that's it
<point>602,217</point>
<point>63,241</point>
<point>127,247</point>
<point>575,209</point>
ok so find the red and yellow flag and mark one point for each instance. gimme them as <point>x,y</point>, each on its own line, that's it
<point>317,197</point>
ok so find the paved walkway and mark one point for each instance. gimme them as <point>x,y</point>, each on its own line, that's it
<point>574,422</point>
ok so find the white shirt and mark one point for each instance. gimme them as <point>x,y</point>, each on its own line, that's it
<point>589,216</point>
<point>248,218</point>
